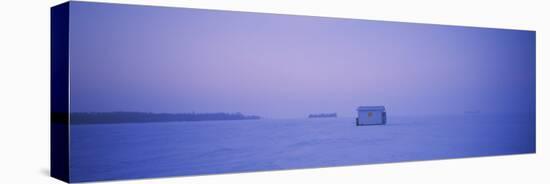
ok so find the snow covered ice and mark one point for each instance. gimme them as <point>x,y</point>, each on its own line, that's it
<point>139,150</point>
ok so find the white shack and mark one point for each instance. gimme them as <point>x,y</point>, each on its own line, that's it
<point>371,115</point>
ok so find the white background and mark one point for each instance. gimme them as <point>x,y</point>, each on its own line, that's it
<point>24,90</point>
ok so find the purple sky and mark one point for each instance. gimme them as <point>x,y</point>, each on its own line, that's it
<point>154,59</point>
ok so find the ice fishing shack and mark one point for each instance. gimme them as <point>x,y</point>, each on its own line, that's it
<point>371,115</point>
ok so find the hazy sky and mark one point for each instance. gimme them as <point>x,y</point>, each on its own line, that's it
<point>153,59</point>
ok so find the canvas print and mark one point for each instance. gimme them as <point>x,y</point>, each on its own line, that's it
<point>146,91</point>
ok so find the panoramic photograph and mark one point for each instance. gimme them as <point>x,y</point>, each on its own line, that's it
<point>159,92</point>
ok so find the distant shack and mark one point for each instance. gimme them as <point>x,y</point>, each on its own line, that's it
<point>371,115</point>
<point>323,115</point>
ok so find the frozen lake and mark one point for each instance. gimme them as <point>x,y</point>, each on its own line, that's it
<point>140,150</point>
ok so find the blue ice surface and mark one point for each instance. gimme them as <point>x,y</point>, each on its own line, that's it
<point>142,150</point>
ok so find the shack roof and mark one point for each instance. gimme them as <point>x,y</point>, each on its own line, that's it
<point>371,108</point>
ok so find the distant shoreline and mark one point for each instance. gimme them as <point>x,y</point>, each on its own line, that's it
<point>139,117</point>
<point>323,115</point>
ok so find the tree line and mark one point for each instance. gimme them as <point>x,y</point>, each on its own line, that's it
<point>131,117</point>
